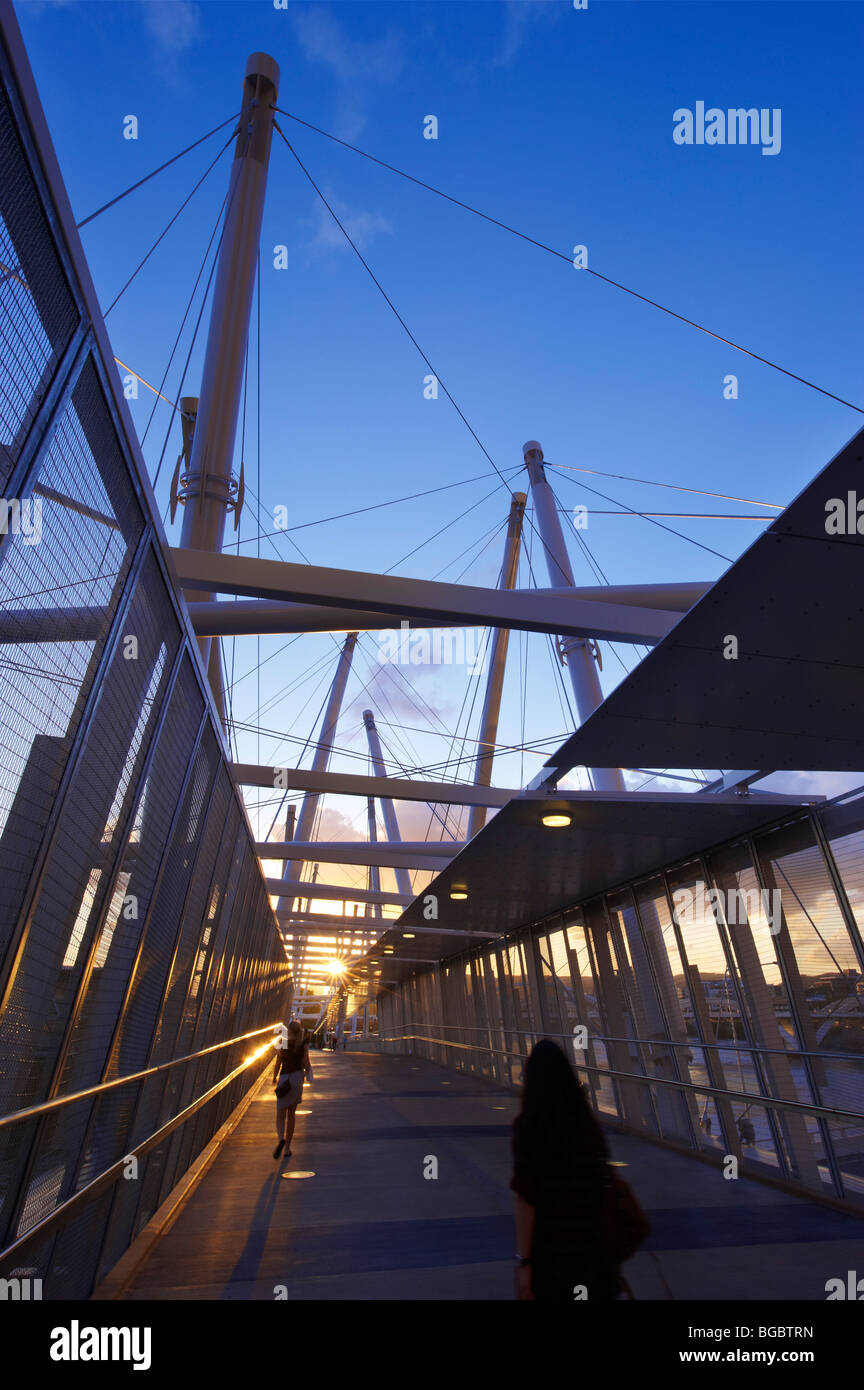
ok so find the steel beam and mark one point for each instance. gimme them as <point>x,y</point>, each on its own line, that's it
<point>431,856</point>
<point>208,489</point>
<point>580,655</point>
<point>335,920</point>
<point>264,617</point>
<point>499,642</point>
<point>267,617</point>
<point>528,610</point>
<point>321,759</point>
<point>388,788</point>
<point>382,926</point>
<point>339,892</point>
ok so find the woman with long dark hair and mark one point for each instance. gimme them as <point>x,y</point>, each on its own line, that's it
<point>559,1168</point>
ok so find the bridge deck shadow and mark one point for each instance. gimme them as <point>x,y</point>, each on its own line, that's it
<point>365,1223</point>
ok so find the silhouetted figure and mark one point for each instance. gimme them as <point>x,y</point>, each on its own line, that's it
<point>559,1169</point>
<point>292,1062</point>
<point>746,1131</point>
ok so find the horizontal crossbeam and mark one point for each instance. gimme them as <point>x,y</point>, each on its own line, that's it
<point>338,892</point>
<point>352,784</point>
<point>386,854</point>
<point>529,610</point>
<point>382,925</point>
<point>263,617</point>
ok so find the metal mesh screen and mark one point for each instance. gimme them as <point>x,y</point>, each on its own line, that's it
<point>37,311</point>
<point>71,572</point>
<point>135,928</point>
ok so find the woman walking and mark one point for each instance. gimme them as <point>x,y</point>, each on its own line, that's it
<point>292,1062</point>
<point>559,1168</point>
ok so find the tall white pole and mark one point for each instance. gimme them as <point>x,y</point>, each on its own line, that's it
<point>306,820</point>
<point>388,811</point>
<point>374,871</point>
<point>580,660</point>
<point>497,663</point>
<point>208,487</point>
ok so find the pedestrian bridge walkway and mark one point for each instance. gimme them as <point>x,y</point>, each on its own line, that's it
<point>352,1216</point>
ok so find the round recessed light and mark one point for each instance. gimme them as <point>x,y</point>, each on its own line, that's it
<point>458,892</point>
<point>408,935</point>
<point>554,819</point>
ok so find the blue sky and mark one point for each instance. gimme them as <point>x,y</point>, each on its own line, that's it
<point>560,123</point>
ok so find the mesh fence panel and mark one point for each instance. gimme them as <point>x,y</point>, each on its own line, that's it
<point>72,575</point>
<point>134,923</point>
<point>37,311</point>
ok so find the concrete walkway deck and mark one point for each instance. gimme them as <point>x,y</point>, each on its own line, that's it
<point>351,1215</point>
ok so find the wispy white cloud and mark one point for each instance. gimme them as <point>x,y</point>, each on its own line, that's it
<point>520,19</point>
<point>355,63</point>
<point>811,783</point>
<point>362,226</point>
<point>324,40</point>
<point>174,24</point>
<point>37,7</point>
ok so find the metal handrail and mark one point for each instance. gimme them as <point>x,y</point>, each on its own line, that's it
<point>752,1098</point>
<point>45,1107</point>
<point>651,1042</point>
<point>62,1214</point>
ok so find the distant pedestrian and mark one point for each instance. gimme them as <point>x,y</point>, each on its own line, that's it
<point>559,1171</point>
<point>292,1063</point>
<point>746,1131</point>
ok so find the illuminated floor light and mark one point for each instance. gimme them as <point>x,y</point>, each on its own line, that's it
<point>300,1173</point>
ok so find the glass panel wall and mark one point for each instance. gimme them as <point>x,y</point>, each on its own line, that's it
<point>716,1004</point>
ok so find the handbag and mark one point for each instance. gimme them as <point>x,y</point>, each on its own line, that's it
<point>623,1224</point>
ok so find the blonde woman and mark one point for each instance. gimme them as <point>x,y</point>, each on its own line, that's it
<point>292,1063</point>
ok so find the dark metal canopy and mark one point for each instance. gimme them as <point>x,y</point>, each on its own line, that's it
<point>518,870</point>
<point>793,698</point>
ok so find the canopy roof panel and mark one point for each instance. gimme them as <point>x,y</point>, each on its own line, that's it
<point>516,870</point>
<point>791,699</point>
